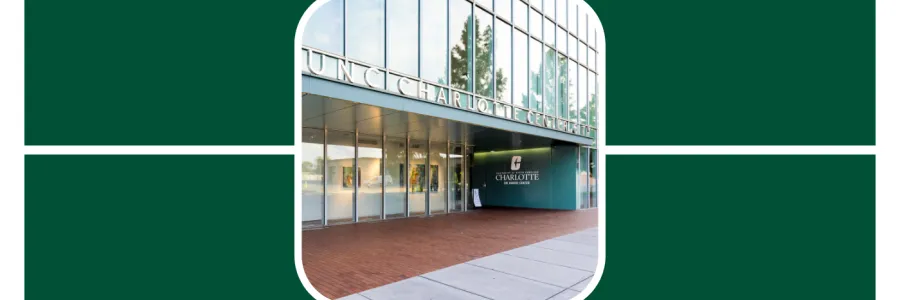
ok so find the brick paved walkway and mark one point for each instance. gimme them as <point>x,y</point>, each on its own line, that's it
<point>348,259</point>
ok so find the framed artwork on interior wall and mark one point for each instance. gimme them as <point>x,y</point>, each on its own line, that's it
<point>347,178</point>
<point>417,179</point>
<point>434,178</point>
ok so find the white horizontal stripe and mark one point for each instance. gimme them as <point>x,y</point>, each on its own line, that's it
<point>736,150</point>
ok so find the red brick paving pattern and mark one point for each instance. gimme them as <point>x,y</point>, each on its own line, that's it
<point>348,259</point>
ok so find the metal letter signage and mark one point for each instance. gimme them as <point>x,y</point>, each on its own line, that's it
<point>341,70</point>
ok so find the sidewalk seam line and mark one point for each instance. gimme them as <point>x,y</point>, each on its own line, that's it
<point>453,287</point>
<point>510,274</point>
<point>546,262</point>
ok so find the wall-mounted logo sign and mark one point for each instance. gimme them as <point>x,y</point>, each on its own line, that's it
<point>516,176</point>
<point>333,67</point>
<point>516,163</point>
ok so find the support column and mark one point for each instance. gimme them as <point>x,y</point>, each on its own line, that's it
<point>356,175</point>
<point>406,173</point>
<point>428,176</point>
<point>325,178</point>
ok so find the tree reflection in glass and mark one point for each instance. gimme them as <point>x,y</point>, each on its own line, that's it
<point>461,70</point>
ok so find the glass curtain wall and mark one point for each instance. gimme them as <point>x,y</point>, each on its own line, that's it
<point>418,177</point>
<point>455,164</point>
<point>455,43</point>
<point>312,183</point>
<point>370,176</point>
<point>437,187</point>
<point>340,178</point>
<point>395,178</point>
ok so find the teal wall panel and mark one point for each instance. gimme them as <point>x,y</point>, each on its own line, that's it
<point>563,174</point>
<point>530,178</point>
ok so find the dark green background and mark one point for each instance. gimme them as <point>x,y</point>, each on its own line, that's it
<point>762,72</point>
<point>739,227</point>
<point>160,227</point>
<point>221,72</point>
<point>678,227</point>
<point>160,72</point>
<point>678,72</point>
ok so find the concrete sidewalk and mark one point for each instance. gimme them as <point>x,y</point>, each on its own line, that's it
<point>558,268</point>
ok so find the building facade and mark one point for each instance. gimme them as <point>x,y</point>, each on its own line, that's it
<point>424,107</point>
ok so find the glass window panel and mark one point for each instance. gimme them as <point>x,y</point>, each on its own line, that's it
<point>573,45</point>
<point>434,41</point>
<point>593,177</point>
<point>403,32</point>
<point>562,83</point>
<point>583,177</point>
<point>590,58</point>
<point>325,29</point>
<point>418,177</point>
<point>592,98</point>
<point>461,38</point>
<point>438,186</point>
<point>536,25</point>
<point>573,90</point>
<point>456,178</point>
<point>520,14</point>
<point>503,57</point>
<point>394,178</point>
<point>536,55</point>
<point>561,12</point>
<point>487,3</point>
<point>503,8</point>
<point>582,95</point>
<point>549,32</point>
<point>582,53</point>
<point>365,31</point>
<point>590,31</point>
<point>484,53</point>
<point>561,35</point>
<point>340,177</point>
<point>369,161</point>
<point>572,16</point>
<point>550,81</point>
<point>520,65</point>
<point>537,3</point>
<point>313,176</point>
<point>550,9</point>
